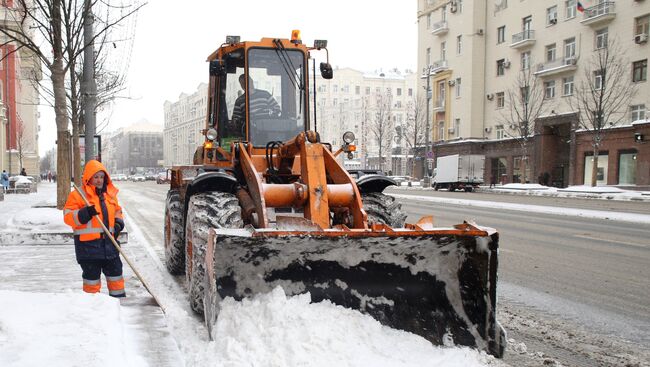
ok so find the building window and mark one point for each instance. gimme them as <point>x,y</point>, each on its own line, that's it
<point>601,170</point>
<point>627,169</point>
<point>641,25</point>
<point>429,21</point>
<point>399,92</point>
<point>501,99</point>
<point>637,112</point>
<point>410,92</point>
<point>550,53</point>
<point>335,88</point>
<point>569,47</point>
<point>601,38</point>
<point>345,89</point>
<point>570,8</point>
<point>567,86</point>
<point>525,60</point>
<point>398,104</point>
<point>551,15</point>
<point>459,45</point>
<point>357,90</point>
<point>367,91</point>
<point>443,13</point>
<point>459,6</point>
<point>443,51</point>
<point>335,102</point>
<point>441,130</point>
<point>457,127</point>
<point>501,34</point>
<point>640,71</point>
<point>428,56</point>
<point>525,94</point>
<point>598,80</point>
<point>549,89</point>
<point>500,131</point>
<point>500,67</point>
<point>458,80</point>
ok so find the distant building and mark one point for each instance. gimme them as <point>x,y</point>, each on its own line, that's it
<point>471,53</point>
<point>184,121</point>
<point>134,149</point>
<point>349,102</point>
<point>20,72</point>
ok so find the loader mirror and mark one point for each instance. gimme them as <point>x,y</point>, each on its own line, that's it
<point>216,68</point>
<point>326,70</point>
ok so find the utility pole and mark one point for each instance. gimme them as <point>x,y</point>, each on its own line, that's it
<point>427,177</point>
<point>88,86</point>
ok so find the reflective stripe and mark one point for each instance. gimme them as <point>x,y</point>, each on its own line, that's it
<point>87,231</point>
<point>114,279</point>
<point>90,282</point>
<point>66,211</point>
<point>117,293</point>
<point>75,217</point>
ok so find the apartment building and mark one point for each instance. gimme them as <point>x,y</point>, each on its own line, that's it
<point>473,55</point>
<point>20,72</point>
<point>184,121</point>
<point>358,102</point>
<point>134,149</point>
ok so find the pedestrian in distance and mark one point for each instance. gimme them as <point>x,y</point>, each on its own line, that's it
<point>4,179</point>
<point>23,172</point>
<point>95,252</point>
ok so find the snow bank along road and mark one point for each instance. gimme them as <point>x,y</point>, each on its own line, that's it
<point>573,290</point>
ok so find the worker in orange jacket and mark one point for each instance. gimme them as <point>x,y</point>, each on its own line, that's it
<point>94,251</point>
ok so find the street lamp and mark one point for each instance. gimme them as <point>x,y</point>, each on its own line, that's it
<point>427,174</point>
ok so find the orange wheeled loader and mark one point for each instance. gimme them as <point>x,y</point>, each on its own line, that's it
<point>266,203</point>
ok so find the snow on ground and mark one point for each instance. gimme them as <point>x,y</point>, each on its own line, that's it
<point>77,329</point>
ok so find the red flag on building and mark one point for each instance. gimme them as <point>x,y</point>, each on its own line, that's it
<point>580,7</point>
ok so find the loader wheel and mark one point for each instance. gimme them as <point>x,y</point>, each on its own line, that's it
<point>382,208</point>
<point>174,239</point>
<point>205,210</point>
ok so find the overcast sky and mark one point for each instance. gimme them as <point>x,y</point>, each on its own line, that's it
<point>174,38</point>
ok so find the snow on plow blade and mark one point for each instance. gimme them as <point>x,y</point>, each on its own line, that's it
<point>440,283</point>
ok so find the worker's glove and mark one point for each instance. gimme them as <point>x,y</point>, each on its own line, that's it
<point>86,213</point>
<point>119,226</point>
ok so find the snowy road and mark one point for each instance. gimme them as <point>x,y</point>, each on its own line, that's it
<point>572,290</point>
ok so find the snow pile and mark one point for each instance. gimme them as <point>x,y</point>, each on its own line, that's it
<point>75,329</point>
<point>275,330</point>
<point>38,219</point>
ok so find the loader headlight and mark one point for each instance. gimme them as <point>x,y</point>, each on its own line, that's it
<point>211,134</point>
<point>348,137</point>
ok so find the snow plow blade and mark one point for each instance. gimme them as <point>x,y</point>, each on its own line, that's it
<point>438,283</point>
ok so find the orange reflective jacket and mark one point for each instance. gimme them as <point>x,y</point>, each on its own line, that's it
<point>92,230</point>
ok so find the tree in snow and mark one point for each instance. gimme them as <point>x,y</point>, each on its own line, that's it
<point>381,127</point>
<point>414,129</point>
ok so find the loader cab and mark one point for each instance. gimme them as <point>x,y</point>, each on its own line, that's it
<point>259,92</point>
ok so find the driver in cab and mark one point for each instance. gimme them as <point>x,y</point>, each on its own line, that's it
<point>263,105</point>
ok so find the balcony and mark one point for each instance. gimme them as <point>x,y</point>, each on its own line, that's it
<point>440,28</point>
<point>599,14</point>
<point>557,67</point>
<point>436,67</point>
<point>523,39</point>
<point>439,105</point>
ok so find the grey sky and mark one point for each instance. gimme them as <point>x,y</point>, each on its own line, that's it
<point>174,38</point>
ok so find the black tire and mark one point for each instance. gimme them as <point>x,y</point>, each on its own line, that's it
<point>435,186</point>
<point>205,210</point>
<point>382,208</point>
<point>174,234</point>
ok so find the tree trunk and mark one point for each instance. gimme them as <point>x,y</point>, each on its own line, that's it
<point>522,166</point>
<point>594,167</point>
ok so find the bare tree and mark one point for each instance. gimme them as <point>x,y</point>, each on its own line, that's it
<point>381,127</point>
<point>603,96</point>
<point>525,103</point>
<point>45,18</point>
<point>20,140</point>
<point>415,126</point>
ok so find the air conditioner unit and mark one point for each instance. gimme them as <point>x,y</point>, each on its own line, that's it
<point>552,21</point>
<point>451,82</point>
<point>506,64</point>
<point>489,96</point>
<point>641,38</point>
<point>488,130</point>
<point>570,61</point>
<point>453,7</point>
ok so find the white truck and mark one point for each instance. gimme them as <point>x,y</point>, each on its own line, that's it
<point>458,172</point>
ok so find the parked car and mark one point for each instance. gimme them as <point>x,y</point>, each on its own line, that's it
<point>150,176</point>
<point>138,178</point>
<point>22,184</point>
<point>119,177</point>
<point>162,178</point>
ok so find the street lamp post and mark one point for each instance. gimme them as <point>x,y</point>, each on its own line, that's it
<point>426,173</point>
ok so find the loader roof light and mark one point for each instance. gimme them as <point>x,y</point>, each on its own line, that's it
<point>232,39</point>
<point>352,148</point>
<point>348,137</point>
<point>208,145</point>
<point>318,44</point>
<point>295,36</point>
<point>211,134</point>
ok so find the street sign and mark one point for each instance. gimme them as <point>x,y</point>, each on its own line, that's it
<point>429,154</point>
<point>430,163</point>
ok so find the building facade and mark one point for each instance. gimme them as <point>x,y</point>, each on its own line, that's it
<point>370,105</point>
<point>20,71</point>
<point>473,54</point>
<point>134,149</point>
<point>184,122</point>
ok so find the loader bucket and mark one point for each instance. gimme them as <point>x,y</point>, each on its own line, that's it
<point>439,283</point>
